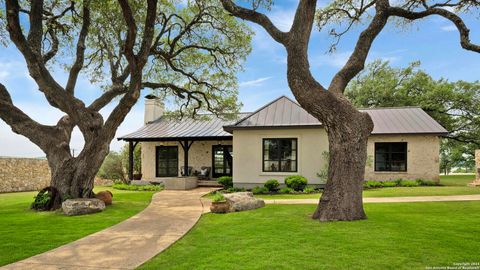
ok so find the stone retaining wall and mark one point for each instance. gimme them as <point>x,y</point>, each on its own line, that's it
<point>23,174</point>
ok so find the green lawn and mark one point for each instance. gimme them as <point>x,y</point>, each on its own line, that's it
<point>396,236</point>
<point>25,233</point>
<point>452,185</point>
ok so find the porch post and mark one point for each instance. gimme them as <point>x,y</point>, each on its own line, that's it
<point>186,147</point>
<point>130,160</point>
<point>185,157</point>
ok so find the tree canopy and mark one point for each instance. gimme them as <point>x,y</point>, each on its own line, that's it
<point>454,104</point>
<point>188,52</point>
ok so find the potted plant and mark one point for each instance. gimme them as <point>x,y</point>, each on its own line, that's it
<point>219,204</point>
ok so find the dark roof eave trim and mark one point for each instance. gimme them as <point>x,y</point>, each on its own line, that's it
<point>174,139</point>
<point>412,133</point>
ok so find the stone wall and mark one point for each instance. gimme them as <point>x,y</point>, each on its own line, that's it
<point>477,162</point>
<point>23,174</point>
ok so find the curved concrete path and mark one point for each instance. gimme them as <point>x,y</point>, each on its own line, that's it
<point>451,198</point>
<point>170,215</point>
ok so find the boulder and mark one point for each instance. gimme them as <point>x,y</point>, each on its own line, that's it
<point>242,201</point>
<point>75,207</point>
<point>105,196</point>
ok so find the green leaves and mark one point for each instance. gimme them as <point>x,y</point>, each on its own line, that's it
<point>455,105</point>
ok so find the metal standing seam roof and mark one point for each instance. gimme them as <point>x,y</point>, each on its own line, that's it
<point>282,113</point>
<point>165,127</point>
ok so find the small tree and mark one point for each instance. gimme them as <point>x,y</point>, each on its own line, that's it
<point>112,167</point>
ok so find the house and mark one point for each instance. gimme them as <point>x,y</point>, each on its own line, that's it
<point>282,139</point>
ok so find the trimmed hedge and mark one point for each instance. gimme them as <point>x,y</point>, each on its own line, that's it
<point>399,183</point>
<point>137,187</point>
<point>226,181</point>
<point>272,185</point>
<point>296,182</point>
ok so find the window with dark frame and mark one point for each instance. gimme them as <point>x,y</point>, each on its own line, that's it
<point>167,161</point>
<point>391,157</point>
<point>280,155</point>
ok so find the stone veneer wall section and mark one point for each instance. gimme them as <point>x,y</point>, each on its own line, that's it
<point>199,155</point>
<point>23,174</point>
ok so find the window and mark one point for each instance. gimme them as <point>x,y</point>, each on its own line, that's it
<point>167,161</point>
<point>279,155</point>
<point>391,157</point>
<point>222,160</point>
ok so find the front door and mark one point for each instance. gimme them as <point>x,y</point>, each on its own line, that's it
<point>222,160</point>
<point>167,161</point>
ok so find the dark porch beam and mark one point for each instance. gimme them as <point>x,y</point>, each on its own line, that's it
<point>130,160</point>
<point>186,147</point>
<point>131,149</point>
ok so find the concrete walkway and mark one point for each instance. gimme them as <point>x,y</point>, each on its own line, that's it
<point>170,215</point>
<point>451,198</point>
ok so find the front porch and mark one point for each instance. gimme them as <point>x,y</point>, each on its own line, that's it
<point>179,162</point>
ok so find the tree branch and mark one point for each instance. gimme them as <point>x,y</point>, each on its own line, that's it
<point>463,30</point>
<point>80,54</point>
<point>256,17</point>
<point>356,62</point>
<point>22,124</point>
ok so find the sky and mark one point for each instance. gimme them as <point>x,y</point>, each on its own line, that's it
<point>434,42</point>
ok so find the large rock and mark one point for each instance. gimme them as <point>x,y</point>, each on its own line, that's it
<point>75,207</point>
<point>242,201</point>
<point>106,196</point>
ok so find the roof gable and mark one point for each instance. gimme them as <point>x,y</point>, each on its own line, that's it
<point>280,112</point>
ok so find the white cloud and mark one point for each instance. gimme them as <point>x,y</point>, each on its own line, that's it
<point>256,82</point>
<point>448,28</point>
<point>337,59</point>
<point>282,18</point>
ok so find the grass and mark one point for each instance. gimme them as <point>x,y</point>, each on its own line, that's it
<point>395,236</point>
<point>25,233</point>
<point>452,185</point>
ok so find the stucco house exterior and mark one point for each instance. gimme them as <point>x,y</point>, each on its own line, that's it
<point>281,139</point>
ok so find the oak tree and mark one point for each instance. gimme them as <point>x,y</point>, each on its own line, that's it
<point>347,128</point>
<point>187,52</point>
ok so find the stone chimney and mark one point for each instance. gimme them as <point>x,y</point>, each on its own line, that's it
<point>153,108</point>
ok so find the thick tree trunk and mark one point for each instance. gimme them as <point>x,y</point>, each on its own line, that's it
<point>342,197</point>
<point>74,177</point>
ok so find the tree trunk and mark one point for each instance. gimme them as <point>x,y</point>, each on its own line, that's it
<point>342,197</point>
<point>74,177</point>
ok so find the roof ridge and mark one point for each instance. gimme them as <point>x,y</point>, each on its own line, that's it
<point>261,108</point>
<point>399,107</point>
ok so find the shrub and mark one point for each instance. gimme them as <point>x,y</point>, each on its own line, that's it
<point>272,184</point>
<point>372,184</point>
<point>422,182</point>
<point>389,184</point>
<point>308,190</point>
<point>226,181</point>
<point>218,197</point>
<point>296,182</point>
<point>233,189</point>
<point>137,187</point>
<point>286,190</point>
<point>409,183</point>
<point>260,190</point>
<point>398,181</point>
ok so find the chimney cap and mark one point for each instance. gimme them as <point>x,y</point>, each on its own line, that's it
<point>150,96</point>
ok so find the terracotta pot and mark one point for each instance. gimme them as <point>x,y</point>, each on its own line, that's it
<point>219,207</point>
<point>137,176</point>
